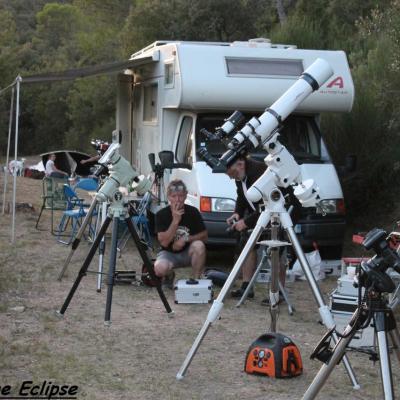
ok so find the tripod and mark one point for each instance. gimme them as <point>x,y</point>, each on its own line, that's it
<point>375,309</point>
<point>268,253</point>
<point>274,211</point>
<point>117,210</point>
<point>282,171</point>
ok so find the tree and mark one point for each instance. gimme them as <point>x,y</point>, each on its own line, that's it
<point>196,20</point>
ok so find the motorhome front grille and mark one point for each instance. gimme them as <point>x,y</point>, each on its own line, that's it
<point>258,66</point>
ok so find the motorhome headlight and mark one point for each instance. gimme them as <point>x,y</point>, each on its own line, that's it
<point>216,204</point>
<point>331,206</point>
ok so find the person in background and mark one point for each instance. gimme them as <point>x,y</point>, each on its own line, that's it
<point>91,160</point>
<point>182,235</point>
<point>51,170</point>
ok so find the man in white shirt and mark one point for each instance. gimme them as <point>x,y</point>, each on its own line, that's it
<point>52,170</point>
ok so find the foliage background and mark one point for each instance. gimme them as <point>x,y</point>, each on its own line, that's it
<point>40,36</point>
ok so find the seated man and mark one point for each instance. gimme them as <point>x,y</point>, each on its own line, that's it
<point>181,233</point>
<point>52,170</point>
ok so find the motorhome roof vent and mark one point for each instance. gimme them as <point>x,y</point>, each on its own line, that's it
<point>258,42</point>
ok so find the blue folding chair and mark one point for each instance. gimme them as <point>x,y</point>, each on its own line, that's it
<point>74,213</point>
<point>88,184</point>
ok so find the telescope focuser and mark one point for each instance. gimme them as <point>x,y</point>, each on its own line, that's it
<point>230,125</point>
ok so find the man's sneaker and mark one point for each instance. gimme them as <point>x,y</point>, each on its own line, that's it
<point>239,292</point>
<point>169,281</point>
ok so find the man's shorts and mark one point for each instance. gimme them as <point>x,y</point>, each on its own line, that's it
<point>178,260</point>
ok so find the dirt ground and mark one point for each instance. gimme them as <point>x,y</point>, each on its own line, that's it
<point>139,355</point>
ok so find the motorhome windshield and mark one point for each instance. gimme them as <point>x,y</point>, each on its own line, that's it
<point>300,135</point>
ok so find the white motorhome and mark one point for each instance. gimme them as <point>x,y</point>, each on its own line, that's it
<point>174,89</point>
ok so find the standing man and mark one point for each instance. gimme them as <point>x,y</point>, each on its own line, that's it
<point>52,170</point>
<point>181,233</point>
<point>245,172</point>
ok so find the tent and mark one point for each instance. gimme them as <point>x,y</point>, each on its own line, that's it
<point>111,68</point>
<point>69,161</point>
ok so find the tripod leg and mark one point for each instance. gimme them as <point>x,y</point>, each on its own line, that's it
<point>253,279</point>
<point>111,269</point>
<point>102,248</point>
<point>274,285</point>
<point>384,357</point>
<point>326,369</point>
<point>323,309</point>
<point>217,305</point>
<point>77,239</point>
<point>149,265</point>
<point>85,265</point>
<point>286,297</point>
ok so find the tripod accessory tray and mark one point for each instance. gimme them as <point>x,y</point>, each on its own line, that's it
<point>190,291</point>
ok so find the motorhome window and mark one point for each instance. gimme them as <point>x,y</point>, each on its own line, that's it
<point>169,74</point>
<point>299,134</point>
<point>183,152</point>
<point>254,66</point>
<point>150,103</point>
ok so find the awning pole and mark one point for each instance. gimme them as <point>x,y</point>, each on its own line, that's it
<point>8,150</point>
<point>18,79</point>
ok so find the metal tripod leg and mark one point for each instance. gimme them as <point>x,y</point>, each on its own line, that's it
<point>385,367</point>
<point>264,261</point>
<point>102,248</point>
<point>253,279</point>
<point>111,269</point>
<point>383,320</point>
<point>149,265</point>
<point>218,304</point>
<point>326,369</point>
<point>395,298</point>
<point>77,239</point>
<point>85,265</point>
<point>274,284</point>
<point>323,309</point>
<point>286,297</point>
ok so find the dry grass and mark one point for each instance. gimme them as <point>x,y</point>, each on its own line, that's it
<point>138,356</point>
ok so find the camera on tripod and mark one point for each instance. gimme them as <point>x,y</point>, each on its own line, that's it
<point>166,162</point>
<point>373,272</point>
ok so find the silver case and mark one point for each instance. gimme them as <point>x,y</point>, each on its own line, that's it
<point>200,293</point>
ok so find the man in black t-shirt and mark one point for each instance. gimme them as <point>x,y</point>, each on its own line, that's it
<point>245,172</point>
<point>181,233</point>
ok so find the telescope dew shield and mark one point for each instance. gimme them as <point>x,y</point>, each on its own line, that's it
<point>258,130</point>
<point>311,79</point>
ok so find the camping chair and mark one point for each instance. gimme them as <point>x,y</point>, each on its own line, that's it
<point>75,212</point>
<point>53,198</point>
<point>88,184</point>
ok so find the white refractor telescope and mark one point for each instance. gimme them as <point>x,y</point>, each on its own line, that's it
<point>262,131</point>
